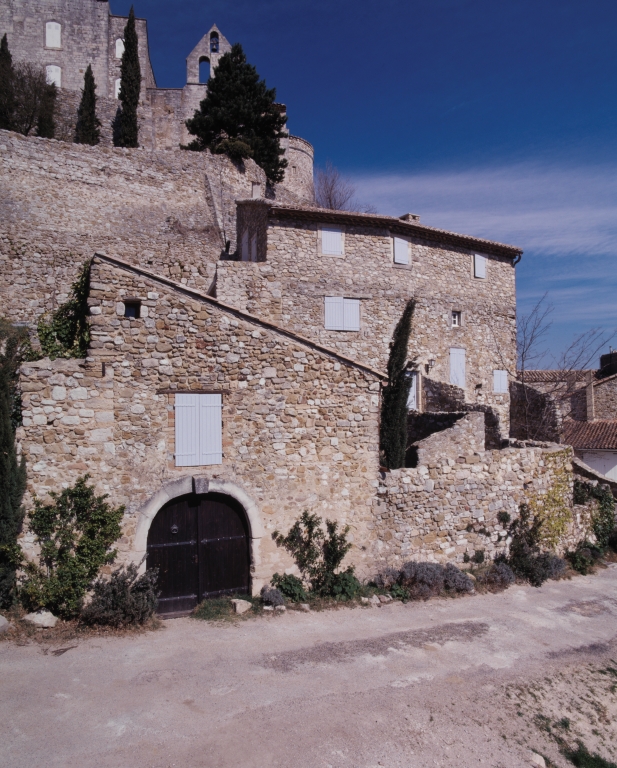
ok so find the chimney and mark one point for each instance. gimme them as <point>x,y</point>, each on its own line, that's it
<point>591,410</point>
<point>412,218</point>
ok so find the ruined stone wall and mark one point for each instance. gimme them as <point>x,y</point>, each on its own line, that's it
<point>299,173</point>
<point>299,426</point>
<point>290,286</point>
<point>60,203</point>
<point>448,505</point>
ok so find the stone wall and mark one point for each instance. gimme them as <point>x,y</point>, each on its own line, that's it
<point>60,203</point>
<point>300,425</point>
<point>534,415</point>
<point>448,506</point>
<point>605,399</point>
<point>293,277</point>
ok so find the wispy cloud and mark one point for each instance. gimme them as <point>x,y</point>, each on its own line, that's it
<point>565,219</point>
<point>550,210</point>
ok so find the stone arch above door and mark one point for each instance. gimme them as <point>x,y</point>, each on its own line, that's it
<point>200,485</point>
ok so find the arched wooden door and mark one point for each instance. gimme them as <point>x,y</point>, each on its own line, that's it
<point>200,544</point>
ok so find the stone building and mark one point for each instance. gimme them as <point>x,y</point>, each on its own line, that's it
<point>64,36</point>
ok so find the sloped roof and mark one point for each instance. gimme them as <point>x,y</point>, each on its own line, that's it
<point>391,223</point>
<point>553,377</point>
<point>591,435</point>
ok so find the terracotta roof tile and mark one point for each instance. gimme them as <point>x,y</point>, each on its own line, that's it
<point>592,435</point>
<point>553,377</point>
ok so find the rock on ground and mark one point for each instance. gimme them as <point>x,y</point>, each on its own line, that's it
<point>43,619</point>
<point>4,624</point>
<point>241,606</point>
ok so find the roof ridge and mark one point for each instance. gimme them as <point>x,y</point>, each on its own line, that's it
<point>238,312</point>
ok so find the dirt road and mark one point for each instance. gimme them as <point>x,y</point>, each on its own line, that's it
<point>445,683</point>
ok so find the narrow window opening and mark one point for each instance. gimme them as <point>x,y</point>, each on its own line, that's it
<point>456,319</point>
<point>132,309</point>
<point>479,266</point>
<point>119,48</point>
<point>54,75</point>
<point>117,88</point>
<point>53,35</point>
<point>214,42</point>
<point>204,69</point>
<point>401,251</point>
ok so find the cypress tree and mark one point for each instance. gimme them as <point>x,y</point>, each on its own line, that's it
<point>7,86</point>
<point>12,472</point>
<point>88,124</point>
<point>46,125</point>
<point>393,427</point>
<point>239,116</point>
<point>127,130</point>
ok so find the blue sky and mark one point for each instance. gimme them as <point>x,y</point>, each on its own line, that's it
<point>497,119</point>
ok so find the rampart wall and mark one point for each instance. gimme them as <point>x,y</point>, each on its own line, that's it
<point>60,203</point>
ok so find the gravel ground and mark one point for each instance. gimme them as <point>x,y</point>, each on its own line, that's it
<point>461,682</point>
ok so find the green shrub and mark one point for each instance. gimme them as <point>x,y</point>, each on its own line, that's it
<point>75,534</point>
<point>290,586</point>
<point>272,596</point>
<point>525,557</point>
<point>584,557</point>
<point>498,577</point>
<point>319,555</point>
<point>125,599</point>
<point>424,580</point>
<point>504,517</point>
<point>344,586</point>
<point>603,518</point>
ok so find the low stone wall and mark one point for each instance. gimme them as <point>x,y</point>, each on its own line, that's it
<point>449,505</point>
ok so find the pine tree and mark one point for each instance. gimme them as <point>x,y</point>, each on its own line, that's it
<point>127,129</point>
<point>393,428</point>
<point>12,472</point>
<point>88,124</point>
<point>239,116</point>
<point>7,86</point>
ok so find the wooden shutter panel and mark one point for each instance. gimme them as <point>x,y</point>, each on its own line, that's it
<point>332,241</point>
<point>457,367</point>
<point>335,313</point>
<point>401,251</point>
<point>479,265</point>
<point>210,429</point>
<point>187,431</point>
<point>351,314</point>
<point>500,381</point>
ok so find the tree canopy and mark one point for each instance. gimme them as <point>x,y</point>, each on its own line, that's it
<point>126,132</point>
<point>87,128</point>
<point>239,116</point>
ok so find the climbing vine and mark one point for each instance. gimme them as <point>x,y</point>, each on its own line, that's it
<point>553,508</point>
<point>66,332</point>
<point>603,516</point>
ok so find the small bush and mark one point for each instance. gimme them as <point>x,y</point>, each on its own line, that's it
<point>504,517</point>
<point>344,585</point>
<point>290,587</point>
<point>498,577</point>
<point>422,580</point>
<point>455,580</point>
<point>478,556</point>
<point>584,557</point>
<point>399,593</point>
<point>126,598</point>
<point>526,558</point>
<point>387,578</point>
<point>222,609</point>
<point>319,555</point>
<point>272,596</point>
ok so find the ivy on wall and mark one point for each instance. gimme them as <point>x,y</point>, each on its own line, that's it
<point>554,508</point>
<point>66,333</point>
<point>603,515</point>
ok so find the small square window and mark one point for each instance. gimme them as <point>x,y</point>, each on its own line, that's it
<point>132,309</point>
<point>456,319</point>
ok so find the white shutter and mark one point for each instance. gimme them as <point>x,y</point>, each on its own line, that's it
<point>54,75</point>
<point>187,430</point>
<point>335,313</point>
<point>117,84</point>
<point>457,367</point>
<point>332,241</point>
<point>500,381</point>
<point>479,265</point>
<point>401,251</point>
<point>53,35</point>
<point>351,314</point>
<point>119,48</point>
<point>210,429</point>
<point>412,400</point>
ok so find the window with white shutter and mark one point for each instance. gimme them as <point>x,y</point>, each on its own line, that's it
<point>457,367</point>
<point>199,430</point>
<point>412,399</point>
<point>479,265</point>
<point>119,48</point>
<point>54,75</point>
<point>332,241</point>
<point>53,35</point>
<point>401,251</point>
<point>342,314</point>
<point>500,381</point>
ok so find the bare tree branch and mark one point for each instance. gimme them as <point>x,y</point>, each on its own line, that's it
<point>336,193</point>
